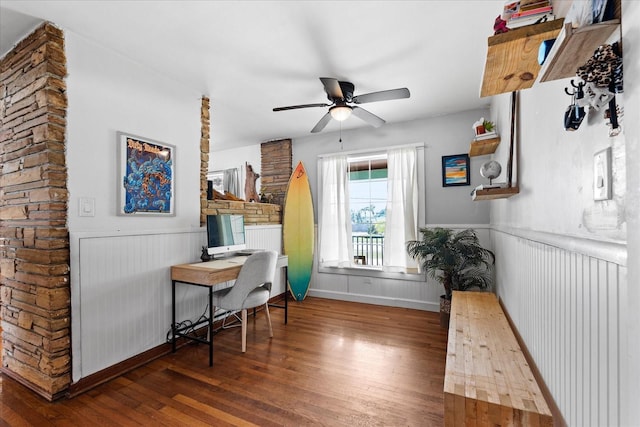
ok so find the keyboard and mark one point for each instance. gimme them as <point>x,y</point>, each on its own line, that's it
<point>246,252</point>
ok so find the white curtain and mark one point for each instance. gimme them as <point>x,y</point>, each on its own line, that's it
<point>231,182</point>
<point>402,209</point>
<point>335,219</point>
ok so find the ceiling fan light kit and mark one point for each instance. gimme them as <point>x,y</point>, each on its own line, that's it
<point>340,112</point>
<point>341,94</point>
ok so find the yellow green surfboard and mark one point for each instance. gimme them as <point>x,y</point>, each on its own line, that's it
<point>298,232</point>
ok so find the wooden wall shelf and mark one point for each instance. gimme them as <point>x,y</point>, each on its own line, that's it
<point>512,58</point>
<point>495,193</point>
<point>483,147</point>
<point>573,48</point>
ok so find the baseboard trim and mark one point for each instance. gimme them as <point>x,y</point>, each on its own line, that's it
<point>558,419</point>
<point>91,381</point>
<point>31,386</point>
<point>105,375</point>
<point>376,300</point>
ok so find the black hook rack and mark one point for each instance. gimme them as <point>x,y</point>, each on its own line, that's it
<point>578,90</point>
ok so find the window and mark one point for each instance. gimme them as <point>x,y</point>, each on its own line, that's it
<point>368,209</point>
<point>368,206</point>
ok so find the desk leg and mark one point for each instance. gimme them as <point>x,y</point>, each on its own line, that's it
<point>210,325</point>
<point>286,294</point>
<point>173,316</point>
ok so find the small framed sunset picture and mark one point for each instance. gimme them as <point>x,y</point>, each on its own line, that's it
<point>455,170</point>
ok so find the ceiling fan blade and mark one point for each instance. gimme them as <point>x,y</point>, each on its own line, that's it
<point>367,116</point>
<point>295,107</point>
<point>332,87</point>
<point>322,123</point>
<point>385,95</point>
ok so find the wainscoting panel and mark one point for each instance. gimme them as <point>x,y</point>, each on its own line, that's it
<point>121,298</point>
<point>564,296</point>
<point>121,291</point>
<point>268,237</point>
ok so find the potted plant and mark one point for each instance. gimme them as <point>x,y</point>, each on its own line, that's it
<point>488,125</point>
<point>483,126</point>
<point>455,259</point>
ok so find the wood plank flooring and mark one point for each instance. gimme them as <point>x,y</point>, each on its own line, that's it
<point>336,364</point>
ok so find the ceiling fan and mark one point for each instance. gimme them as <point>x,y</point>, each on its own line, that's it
<point>341,95</point>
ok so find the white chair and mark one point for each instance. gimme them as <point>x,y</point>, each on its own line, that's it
<point>251,289</point>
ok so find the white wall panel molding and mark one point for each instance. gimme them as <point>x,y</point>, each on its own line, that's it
<point>121,290</point>
<point>460,226</point>
<point>610,251</point>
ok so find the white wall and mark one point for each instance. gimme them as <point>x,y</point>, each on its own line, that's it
<point>630,315</point>
<point>555,221</point>
<point>109,93</point>
<point>444,135</point>
<point>555,170</point>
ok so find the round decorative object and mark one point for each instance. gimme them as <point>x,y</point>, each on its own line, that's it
<point>490,169</point>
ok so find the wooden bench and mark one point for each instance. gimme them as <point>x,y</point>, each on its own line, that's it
<point>488,381</point>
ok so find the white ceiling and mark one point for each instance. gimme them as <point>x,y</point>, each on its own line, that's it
<point>252,56</point>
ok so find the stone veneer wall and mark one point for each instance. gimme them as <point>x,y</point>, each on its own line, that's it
<point>34,239</point>
<point>276,158</point>
<point>205,140</point>
<point>254,213</point>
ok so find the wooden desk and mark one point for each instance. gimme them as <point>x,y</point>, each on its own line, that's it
<point>208,274</point>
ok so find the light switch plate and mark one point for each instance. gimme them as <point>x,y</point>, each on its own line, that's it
<point>87,206</point>
<point>602,175</point>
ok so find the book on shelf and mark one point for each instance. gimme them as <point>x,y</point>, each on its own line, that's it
<point>530,20</point>
<point>509,8</point>
<point>514,9</point>
<point>527,13</point>
<point>524,5</point>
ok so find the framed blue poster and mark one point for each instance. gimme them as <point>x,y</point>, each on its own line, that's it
<point>146,177</point>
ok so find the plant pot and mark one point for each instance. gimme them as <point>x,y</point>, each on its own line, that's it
<point>445,311</point>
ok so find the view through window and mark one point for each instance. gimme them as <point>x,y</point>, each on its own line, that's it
<point>367,202</point>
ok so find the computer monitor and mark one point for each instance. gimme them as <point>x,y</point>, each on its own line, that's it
<point>225,234</point>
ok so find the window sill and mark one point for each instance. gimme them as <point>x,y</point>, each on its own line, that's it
<point>371,271</point>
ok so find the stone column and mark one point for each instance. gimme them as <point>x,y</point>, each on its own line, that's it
<point>34,239</point>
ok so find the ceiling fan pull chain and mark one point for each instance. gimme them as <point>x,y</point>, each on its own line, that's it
<point>341,147</point>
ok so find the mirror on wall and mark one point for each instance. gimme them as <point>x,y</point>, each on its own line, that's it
<point>227,180</point>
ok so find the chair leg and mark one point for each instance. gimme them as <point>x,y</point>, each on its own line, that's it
<point>244,330</point>
<point>266,310</point>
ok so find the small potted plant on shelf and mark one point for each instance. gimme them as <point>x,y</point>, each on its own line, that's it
<point>483,126</point>
<point>454,259</point>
